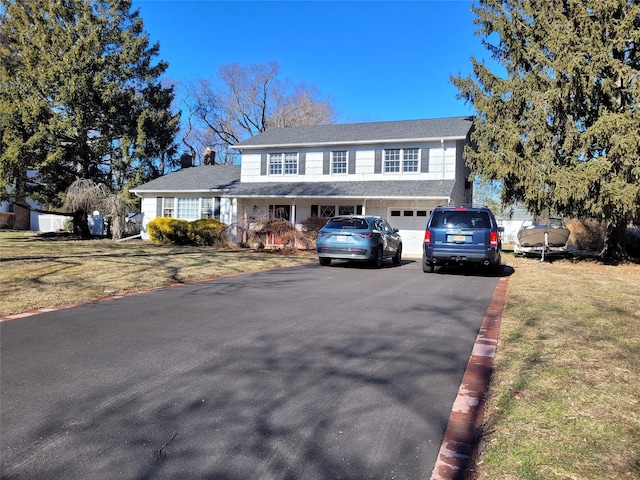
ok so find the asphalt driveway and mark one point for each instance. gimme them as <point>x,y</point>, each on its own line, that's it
<point>309,372</point>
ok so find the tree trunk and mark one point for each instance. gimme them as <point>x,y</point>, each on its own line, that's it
<point>81,224</point>
<point>615,242</point>
<point>117,229</point>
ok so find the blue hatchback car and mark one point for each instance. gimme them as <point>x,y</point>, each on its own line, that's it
<point>359,237</point>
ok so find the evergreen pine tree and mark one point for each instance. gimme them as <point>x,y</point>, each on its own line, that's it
<point>561,127</point>
<point>80,98</point>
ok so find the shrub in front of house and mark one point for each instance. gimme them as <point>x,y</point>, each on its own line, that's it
<point>168,231</point>
<point>207,231</point>
<point>313,225</point>
<point>171,231</point>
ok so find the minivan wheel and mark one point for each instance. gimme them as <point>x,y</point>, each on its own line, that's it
<point>497,266</point>
<point>324,261</point>
<point>427,267</point>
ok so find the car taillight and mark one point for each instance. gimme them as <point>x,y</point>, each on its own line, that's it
<point>427,236</point>
<point>365,235</point>
<point>493,239</point>
<point>322,234</point>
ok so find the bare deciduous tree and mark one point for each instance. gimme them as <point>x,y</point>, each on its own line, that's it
<point>248,100</point>
<point>84,196</point>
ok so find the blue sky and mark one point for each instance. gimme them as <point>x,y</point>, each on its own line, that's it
<point>374,60</point>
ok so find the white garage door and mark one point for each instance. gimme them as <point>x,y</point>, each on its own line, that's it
<point>411,222</point>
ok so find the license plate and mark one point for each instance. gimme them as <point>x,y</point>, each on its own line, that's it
<point>459,238</point>
<point>341,238</point>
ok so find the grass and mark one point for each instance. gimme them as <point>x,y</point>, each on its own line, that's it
<point>564,400</point>
<point>564,397</point>
<point>46,271</point>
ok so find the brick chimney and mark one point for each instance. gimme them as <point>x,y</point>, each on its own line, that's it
<point>186,160</point>
<point>209,156</point>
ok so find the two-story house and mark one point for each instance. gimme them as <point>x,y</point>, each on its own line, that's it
<point>399,170</point>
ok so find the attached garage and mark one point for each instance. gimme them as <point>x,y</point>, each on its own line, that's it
<point>411,222</point>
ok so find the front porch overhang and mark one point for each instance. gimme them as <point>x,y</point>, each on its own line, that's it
<point>390,190</point>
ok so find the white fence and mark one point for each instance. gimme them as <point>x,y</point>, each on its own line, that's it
<point>46,222</point>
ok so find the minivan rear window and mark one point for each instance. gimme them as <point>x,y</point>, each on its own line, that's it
<point>460,219</point>
<point>348,224</point>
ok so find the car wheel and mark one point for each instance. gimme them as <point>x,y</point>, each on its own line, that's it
<point>378,258</point>
<point>324,261</point>
<point>398,256</point>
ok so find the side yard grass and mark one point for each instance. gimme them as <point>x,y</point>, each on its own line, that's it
<point>564,400</point>
<point>45,271</point>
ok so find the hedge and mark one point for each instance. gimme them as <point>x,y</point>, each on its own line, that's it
<point>206,231</point>
<point>171,231</point>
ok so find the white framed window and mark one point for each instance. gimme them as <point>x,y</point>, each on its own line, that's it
<point>168,207</point>
<point>410,160</point>
<point>188,208</point>
<point>290,163</point>
<point>339,162</point>
<point>283,164</point>
<point>206,207</point>
<point>329,211</point>
<point>275,164</point>
<point>392,160</point>
<point>405,160</point>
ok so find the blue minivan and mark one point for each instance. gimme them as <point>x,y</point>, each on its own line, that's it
<point>462,235</point>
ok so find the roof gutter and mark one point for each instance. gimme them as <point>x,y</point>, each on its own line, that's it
<point>392,141</point>
<point>348,197</point>
<point>182,191</point>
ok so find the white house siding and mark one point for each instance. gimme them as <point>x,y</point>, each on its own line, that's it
<point>148,210</point>
<point>442,165</point>
<point>313,168</point>
<point>250,167</point>
<point>365,163</point>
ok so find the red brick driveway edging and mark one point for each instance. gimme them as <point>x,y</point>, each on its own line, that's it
<point>464,429</point>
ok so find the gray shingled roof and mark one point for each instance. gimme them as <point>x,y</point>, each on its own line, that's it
<point>203,178</point>
<point>362,189</point>
<point>225,180</point>
<point>361,133</point>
